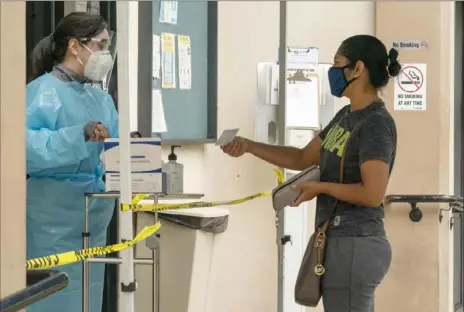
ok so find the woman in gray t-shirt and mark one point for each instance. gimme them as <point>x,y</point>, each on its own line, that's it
<point>358,254</point>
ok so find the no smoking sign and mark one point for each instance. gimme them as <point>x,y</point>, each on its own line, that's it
<point>410,88</point>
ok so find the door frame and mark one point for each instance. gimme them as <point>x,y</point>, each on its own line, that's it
<point>458,146</point>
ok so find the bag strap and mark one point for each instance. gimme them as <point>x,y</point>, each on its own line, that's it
<point>372,108</point>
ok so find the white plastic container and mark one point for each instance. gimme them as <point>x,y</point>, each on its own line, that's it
<point>174,174</point>
<point>145,165</point>
<point>189,260</point>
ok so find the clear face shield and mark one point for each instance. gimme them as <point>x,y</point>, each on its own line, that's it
<point>113,51</point>
<point>110,46</point>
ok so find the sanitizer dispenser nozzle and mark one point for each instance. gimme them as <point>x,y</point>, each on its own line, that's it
<point>173,155</point>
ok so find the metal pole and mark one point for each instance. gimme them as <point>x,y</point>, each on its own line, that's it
<point>153,283</point>
<point>281,133</point>
<point>85,263</point>
<point>127,13</point>
<point>156,263</point>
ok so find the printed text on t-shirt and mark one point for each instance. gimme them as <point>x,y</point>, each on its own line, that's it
<point>336,139</point>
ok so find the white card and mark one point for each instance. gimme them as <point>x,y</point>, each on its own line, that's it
<point>227,136</point>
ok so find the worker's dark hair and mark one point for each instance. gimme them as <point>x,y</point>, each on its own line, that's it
<point>52,49</point>
<point>372,52</point>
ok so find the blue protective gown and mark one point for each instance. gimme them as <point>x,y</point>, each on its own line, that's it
<point>62,166</point>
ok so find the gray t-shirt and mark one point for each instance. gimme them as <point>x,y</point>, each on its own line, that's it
<point>375,138</point>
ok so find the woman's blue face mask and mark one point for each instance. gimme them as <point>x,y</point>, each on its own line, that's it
<point>337,80</point>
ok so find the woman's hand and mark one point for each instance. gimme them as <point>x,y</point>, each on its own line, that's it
<point>100,133</point>
<point>95,131</point>
<point>309,191</point>
<point>237,147</point>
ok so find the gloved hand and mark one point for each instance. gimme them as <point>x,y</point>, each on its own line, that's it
<point>95,131</point>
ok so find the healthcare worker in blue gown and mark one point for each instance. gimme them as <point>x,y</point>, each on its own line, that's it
<point>67,121</point>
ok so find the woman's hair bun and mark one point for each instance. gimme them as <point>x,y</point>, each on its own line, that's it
<point>394,67</point>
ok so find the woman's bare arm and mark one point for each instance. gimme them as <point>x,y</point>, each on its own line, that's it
<point>286,156</point>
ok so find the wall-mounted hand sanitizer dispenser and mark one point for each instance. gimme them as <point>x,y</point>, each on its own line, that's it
<point>266,106</point>
<point>303,94</point>
<point>309,103</point>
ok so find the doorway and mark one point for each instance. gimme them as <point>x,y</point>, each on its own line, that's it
<point>41,20</point>
<point>458,229</point>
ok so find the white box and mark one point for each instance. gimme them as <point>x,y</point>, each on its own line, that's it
<point>145,165</point>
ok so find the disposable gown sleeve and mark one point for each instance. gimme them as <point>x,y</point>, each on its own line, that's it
<point>114,123</point>
<point>46,146</point>
<point>113,126</point>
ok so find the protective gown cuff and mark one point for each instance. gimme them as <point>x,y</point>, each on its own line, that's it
<point>76,134</point>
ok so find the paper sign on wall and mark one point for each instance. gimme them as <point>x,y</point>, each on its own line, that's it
<point>302,106</point>
<point>411,44</point>
<point>158,121</point>
<point>411,88</point>
<point>168,61</point>
<point>308,55</point>
<point>168,12</point>
<point>185,62</point>
<point>156,56</point>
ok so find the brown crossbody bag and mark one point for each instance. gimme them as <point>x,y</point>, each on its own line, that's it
<point>308,283</point>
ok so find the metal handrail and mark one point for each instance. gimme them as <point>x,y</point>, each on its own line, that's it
<point>41,284</point>
<point>456,204</point>
<point>423,199</point>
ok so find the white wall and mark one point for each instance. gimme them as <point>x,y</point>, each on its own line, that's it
<point>325,24</point>
<point>248,34</point>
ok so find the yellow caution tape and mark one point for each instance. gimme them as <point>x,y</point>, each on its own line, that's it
<point>65,258</point>
<point>280,175</point>
<point>135,206</point>
<point>80,255</point>
<point>200,204</point>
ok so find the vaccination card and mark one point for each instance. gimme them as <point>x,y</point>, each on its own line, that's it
<point>227,136</point>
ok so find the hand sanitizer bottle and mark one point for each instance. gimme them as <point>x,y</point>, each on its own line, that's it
<point>174,174</point>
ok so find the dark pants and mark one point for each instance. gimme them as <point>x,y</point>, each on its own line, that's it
<point>355,266</point>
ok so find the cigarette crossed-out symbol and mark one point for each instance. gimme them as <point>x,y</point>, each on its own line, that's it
<point>411,79</point>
